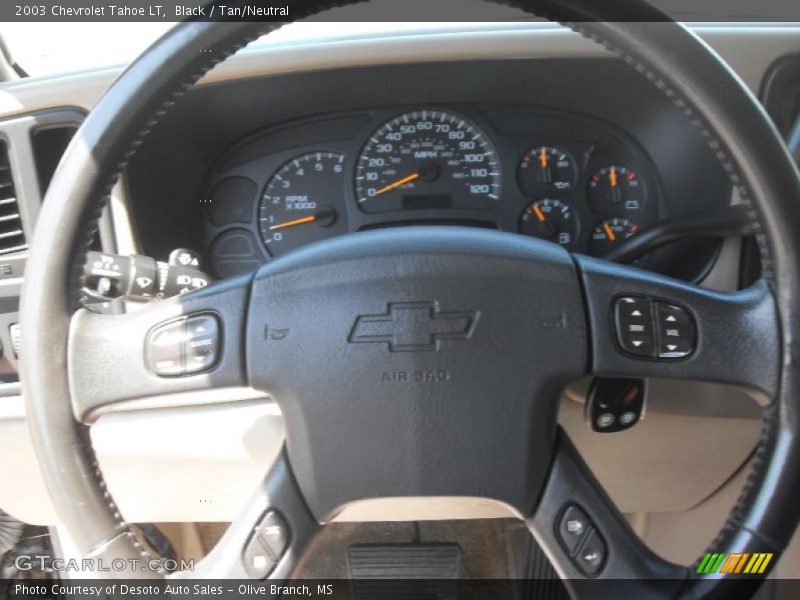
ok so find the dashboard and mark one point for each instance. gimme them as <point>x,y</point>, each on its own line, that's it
<point>578,152</point>
<point>523,88</point>
<point>554,175</point>
<point>251,169</point>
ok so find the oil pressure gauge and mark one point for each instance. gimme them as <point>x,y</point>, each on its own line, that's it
<point>546,167</point>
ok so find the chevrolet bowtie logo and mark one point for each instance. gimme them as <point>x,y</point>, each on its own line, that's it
<point>413,326</point>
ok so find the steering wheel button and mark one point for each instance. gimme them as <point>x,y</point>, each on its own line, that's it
<point>164,349</point>
<point>14,332</point>
<point>592,555</point>
<point>273,533</point>
<point>201,343</point>
<point>634,322</point>
<point>676,331</point>
<point>257,560</point>
<point>573,527</point>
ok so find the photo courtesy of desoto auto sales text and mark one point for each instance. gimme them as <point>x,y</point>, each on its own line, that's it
<point>399,299</point>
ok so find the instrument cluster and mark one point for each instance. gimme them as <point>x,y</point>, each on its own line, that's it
<point>560,177</point>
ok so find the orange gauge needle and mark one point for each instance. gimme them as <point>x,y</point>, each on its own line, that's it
<point>293,222</point>
<point>543,158</point>
<point>610,232</point>
<point>398,183</point>
<point>612,176</point>
<point>539,213</point>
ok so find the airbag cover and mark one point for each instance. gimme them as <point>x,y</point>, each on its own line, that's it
<point>418,361</point>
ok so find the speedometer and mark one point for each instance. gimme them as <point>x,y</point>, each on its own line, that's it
<point>427,159</point>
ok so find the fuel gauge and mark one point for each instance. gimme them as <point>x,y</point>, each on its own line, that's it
<point>551,220</point>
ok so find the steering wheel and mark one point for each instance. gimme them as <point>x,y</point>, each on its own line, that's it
<point>501,321</point>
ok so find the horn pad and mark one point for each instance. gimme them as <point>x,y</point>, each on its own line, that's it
<point>421,361</point>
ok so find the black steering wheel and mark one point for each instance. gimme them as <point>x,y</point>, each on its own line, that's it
<point>503,321</point>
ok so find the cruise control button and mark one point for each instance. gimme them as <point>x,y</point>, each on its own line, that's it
<point>573,527</point>
<point>592,554</point>
<point>164,349</point>
<point>201,343</point>
<point>634,322</point>
<point>676,331</point>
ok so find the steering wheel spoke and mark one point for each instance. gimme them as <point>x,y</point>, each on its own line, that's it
<point>268,539</point>
<point>647,325</point>
<point>165,353</point>
<point>586,537</point>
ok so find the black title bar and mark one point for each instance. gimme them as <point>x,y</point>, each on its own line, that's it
<point>375,10</point>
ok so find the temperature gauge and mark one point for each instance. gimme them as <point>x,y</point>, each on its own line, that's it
<point>546,167</point>
<point>550,220</point>
<point>610,233</point>
<point>616,187</point>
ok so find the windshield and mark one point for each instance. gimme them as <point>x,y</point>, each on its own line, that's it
<point>48,48</point>
<point>43,49</point>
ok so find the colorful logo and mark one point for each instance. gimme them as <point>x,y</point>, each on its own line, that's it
<point>738,562</point>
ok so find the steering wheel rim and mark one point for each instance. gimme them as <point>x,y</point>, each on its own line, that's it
<point>675,60</point>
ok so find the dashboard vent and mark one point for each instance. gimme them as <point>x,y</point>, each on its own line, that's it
<point>12,237</point>
<point>49,143</point>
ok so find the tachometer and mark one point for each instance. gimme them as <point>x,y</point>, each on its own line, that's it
<point>302,202</point>
<point>427,159</point>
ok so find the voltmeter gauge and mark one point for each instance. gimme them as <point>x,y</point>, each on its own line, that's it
<point>617,188</point>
